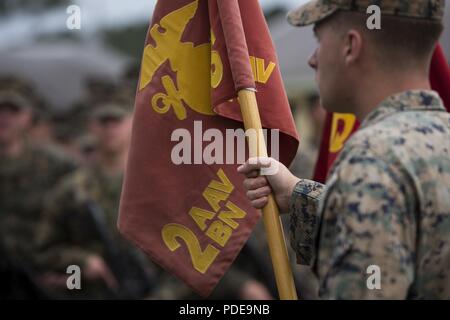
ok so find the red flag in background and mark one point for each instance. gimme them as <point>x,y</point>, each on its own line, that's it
<point>440,76</point>
<point>339,127</point>
<point>193,219</point>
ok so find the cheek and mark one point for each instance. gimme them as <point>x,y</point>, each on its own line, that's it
<point>325,58</point>
<point>24,122</point>
<point>330,71</point>
<point>120,132</point>
<point>12,123</point>
<point>324,63</point>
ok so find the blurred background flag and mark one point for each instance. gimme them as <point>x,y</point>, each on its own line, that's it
<point>440,76</point>
<point>339,127</point>
<point>193,219</point>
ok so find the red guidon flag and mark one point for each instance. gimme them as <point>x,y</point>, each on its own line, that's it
<point>183,202</point>
<point>339,127</point>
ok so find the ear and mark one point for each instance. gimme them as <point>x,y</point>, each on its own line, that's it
<point>353,46</point>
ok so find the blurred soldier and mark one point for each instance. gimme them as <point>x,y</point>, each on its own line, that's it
<point>87,148</point>
<point>41,129</point>
<point>71,125</point>
<point>80,228</point>
<point>27,173</point>
<point>380,228</point>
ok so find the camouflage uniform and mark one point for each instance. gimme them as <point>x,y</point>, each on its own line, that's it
<point>70,234</point>
<point>386,203</point>
<point>81,221</point>
<point>387,199</point>
<point>24,182</point>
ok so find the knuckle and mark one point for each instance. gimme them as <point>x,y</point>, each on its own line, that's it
<point>262,181</point>
<point>254,184</point>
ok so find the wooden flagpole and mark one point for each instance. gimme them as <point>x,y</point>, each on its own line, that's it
<point>271,214</point>
<point>238,55</point>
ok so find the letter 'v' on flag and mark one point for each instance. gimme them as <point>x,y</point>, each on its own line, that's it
<point>193,219</point>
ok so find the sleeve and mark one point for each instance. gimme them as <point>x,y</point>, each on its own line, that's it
<point>367,234</point>
<point>304,207</point>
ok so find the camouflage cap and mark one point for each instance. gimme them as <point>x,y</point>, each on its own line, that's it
<point>317,10</point>
<point>111,110</point>
<point>19,93</point>
<point>14,98</point>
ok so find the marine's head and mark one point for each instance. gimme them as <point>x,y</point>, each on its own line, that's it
<point>16,109</point>
<point>350,56</point>
<point>110,124</point>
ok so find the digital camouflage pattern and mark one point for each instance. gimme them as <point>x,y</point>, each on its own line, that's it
<point>315,11</point>
<point>386,203</point>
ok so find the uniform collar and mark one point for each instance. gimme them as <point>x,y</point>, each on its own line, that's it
<point>414,100</point>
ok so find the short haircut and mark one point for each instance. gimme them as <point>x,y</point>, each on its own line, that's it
<point>401,42</point>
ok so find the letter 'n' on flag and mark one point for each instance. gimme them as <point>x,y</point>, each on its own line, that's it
<point>193,218</point>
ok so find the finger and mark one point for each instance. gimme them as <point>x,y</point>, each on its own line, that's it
<point>260,203</point>
<point>254,164</point>
<point>255,183</point>
<point>252,174</point>
<point>258,193</point>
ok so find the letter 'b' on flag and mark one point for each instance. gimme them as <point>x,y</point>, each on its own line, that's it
<point>193,219</point>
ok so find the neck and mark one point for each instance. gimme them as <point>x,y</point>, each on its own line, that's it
<point>112,163</point>
<point>12,149</point>
<point>384,86</point>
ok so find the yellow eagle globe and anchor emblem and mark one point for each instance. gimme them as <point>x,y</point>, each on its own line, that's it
<point>191,64</point>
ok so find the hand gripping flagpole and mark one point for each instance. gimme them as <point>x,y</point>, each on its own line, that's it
<point>233,30</point>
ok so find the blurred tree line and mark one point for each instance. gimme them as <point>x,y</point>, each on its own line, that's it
<point>33,6</point>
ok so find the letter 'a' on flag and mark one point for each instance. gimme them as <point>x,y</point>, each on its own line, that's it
<point>193,219</point>
<point>339,127</point>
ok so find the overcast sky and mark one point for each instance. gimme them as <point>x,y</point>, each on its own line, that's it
<point>21,28</point>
